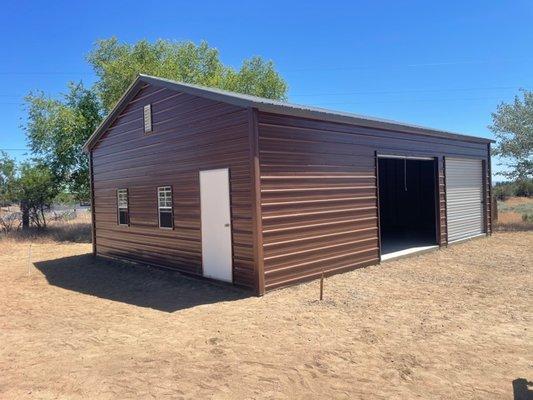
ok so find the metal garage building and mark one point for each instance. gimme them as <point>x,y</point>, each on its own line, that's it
<point>265,194</point>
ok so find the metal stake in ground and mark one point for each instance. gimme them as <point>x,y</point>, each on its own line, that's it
<point>322,286</point>
<point>29,260</point>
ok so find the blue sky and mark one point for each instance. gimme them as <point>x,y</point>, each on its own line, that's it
<point>445,65</point>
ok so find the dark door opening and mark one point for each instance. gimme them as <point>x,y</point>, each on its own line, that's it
<point>407,204</point>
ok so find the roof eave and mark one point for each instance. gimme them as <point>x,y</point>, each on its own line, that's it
<point>369,123</point>
<point>274,107</point>
<point>280,108</point>
<point>121,103</point>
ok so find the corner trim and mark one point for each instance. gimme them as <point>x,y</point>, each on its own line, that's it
<point>93,220</point>
<point>257,224</point>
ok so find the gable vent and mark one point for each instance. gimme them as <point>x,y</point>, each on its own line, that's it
<point>148,118</point>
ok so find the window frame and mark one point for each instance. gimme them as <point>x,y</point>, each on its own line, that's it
<point>166,208</point>
<point>122,208</point>
<point>147,119</point>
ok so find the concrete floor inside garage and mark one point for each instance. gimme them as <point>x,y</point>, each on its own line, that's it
<point>399,245</point>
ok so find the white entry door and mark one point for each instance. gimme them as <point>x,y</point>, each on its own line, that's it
<point>216,224</point>
<point>464,198</point>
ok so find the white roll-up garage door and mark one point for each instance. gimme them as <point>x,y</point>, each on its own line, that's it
<point>464,198</point>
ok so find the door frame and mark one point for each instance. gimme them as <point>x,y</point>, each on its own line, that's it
<point>438,227</point>
<point>485,195</point>
<point>200,170</point>
<point>405,156</point>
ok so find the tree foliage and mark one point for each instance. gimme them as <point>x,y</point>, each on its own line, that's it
<point>56,131</point>
<point>31,185</point>
<point>513,127</point>
<point>57,128</point>
<point>256,77</point>
<point>36,190</point>
<point>117,64</point>
<point>520,188</point>
<point>7,179</point>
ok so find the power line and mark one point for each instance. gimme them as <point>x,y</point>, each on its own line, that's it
<point>316,68</point>
<point>372,91</point>
<point>408,65</point>
<point>42,73</point>
<point>409,91</point>
<point>385,92</point>
<point>14,149</point>
<point>410,100</point>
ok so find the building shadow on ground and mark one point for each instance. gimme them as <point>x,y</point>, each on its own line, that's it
<point>138,285</point>
<point>521,389</point>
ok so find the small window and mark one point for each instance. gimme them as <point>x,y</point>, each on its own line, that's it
<point>122,206</point>
<point>147,118</point>
<point>164,205</point>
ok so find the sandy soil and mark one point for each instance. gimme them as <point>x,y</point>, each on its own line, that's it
<point>453,324</point>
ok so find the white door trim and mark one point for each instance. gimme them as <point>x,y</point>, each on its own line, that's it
<point>217,253</point>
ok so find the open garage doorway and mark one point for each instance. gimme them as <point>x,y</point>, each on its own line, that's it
<point>407,205</point>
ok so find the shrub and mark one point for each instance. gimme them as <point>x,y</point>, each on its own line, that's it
<point>502,192</point>
<point>524,188</point>
<point>527,217</point>
<point>521,188</point>
<point>9,222</point>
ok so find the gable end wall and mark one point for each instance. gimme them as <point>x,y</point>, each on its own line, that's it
<point>189,134</point>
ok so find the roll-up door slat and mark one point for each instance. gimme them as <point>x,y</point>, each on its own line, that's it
<point>464,198</point>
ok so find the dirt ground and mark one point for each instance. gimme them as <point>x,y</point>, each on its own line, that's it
<point>452,324</point>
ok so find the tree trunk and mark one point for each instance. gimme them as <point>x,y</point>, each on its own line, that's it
<point>25,215</point>
<point>44,218</point>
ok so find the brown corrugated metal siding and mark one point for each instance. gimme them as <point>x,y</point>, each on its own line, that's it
<point>303,191</point>
<point>189,134</point>
<point>318,192</point>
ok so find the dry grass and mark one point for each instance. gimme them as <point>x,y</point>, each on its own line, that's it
<point>515,201</point>
<point>509,217</point>
<point>511,214</point>
<point>77,230</point>
<point>453,324</point>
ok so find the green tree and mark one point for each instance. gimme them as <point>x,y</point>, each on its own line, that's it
<point>36,191</point>
<point>256,77</point>
<point>7,179</point>
<point>116,64</point>
<point>512,124</point>
<point>56,131</point>
<point>57,128</point>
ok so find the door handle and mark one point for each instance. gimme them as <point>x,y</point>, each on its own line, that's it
<point>226,225</point>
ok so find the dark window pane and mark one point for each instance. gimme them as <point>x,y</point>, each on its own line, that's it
<point>165,219</point>
<point>123,217</point>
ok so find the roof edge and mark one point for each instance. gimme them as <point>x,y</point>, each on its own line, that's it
<point>280,107</point>
<point>274,107</point>
<point>130,92</point>
<point>377,124</point>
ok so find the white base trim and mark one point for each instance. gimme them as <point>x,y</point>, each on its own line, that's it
<point>406,252</point>
<point>467,238</point>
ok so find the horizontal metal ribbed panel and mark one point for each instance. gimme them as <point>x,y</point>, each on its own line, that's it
<point>188,134</point>
<point>464,198</point>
